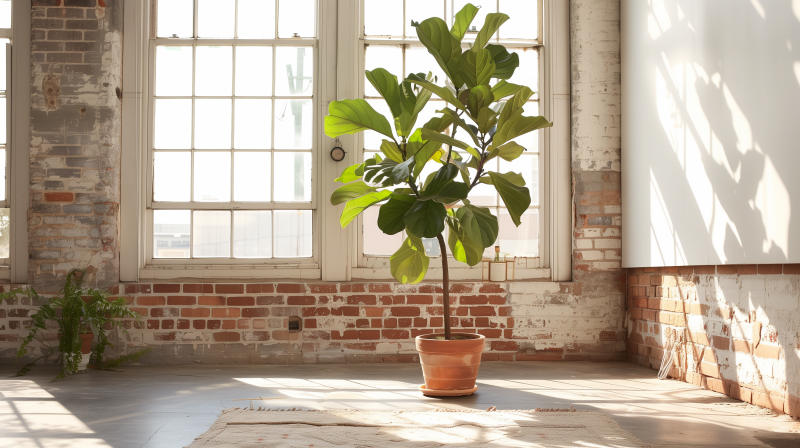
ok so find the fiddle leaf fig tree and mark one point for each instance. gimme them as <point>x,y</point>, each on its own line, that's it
<point>482,104</point>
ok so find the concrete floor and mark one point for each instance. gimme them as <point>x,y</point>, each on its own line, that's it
<point>168,406</point>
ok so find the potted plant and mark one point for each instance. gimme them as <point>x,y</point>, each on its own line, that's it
<point>80,314</point>
<point>490,117</point>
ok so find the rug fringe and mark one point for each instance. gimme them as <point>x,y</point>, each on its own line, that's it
<point>438,409</point>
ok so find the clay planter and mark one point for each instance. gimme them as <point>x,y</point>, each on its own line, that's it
<point>450,367</point>
<point>86,349</point>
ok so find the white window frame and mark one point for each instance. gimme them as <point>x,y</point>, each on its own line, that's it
<point>339,74</point>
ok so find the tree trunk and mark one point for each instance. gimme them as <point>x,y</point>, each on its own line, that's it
<point>446,286</point>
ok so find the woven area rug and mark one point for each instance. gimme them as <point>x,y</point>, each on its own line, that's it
<point>533,428</point>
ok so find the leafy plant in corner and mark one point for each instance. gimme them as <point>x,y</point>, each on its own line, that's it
<point>489,116</point>
<point>76,310</point>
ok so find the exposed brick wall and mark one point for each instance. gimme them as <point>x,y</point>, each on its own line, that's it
<point>76,66</point>
<point>737,328</point>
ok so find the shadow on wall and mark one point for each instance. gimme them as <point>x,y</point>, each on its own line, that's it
<point>710,132</point>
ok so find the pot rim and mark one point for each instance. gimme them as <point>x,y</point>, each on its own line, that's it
<point>430,337</point>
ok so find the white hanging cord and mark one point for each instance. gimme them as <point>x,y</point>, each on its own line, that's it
<point>666,360</point>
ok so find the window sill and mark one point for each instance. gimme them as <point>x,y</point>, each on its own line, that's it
<point>305,271</point>
<point>476,274</point>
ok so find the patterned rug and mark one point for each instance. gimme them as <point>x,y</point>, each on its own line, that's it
<point>405,429</point>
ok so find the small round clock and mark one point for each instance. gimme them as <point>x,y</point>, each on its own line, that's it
<point>337,154</point>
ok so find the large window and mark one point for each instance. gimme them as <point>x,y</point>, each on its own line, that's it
<point>5,125</point>
<point>390,42</point>
<point>232,133</point>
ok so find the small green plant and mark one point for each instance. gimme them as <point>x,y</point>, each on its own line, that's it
<point>76,310</point>
<point>422,207</point>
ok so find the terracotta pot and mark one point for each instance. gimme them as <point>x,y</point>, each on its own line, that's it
<point>450,367</point>
<point>86,342</point>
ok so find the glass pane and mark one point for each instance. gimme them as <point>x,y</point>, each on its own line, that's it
<point>372,140</point>
<point>172,176</point>
<point>253,71</point>
<point>212,234</point>
<point>5,173</point>
<point>253,124</point>
<point>293,123</point>
<point>376,13</point>
<point>430,111</point>
<point>524,19</point>
<point>256,19</point>
<point>251,176</point>
<point>3,43</point>
<point>386,57</point>
<point>214,71</point>
<point>483,194</point>
<point>215,18</point>
<point>294,71</point>
<point>528,165</point>
<point>3,129</point>
<point>527,74</point>
<point>418,60</point>
<point>212,125</point>
<point>171,233</point>
<point>173,126</point>
<point>419,10</point>
<point>375,241</point>
<point>522,241</point>
<point>432,245</point>
<point>484,7</point>
<point>292,176</point>
<point>175,17</point>
<point>173,71</point>
<point>292,233</point>
<point>212,176</point>
<point>252,234</point>
<point>296,17</point>
<point>5,229</point>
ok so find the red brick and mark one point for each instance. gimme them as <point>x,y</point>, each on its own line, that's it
<point>420,322</point>
<point>269,300</point>
<point>227,336</point>
<point>165,312</point>
<point>214,324</point>
<point>351,311</point>
<point>362,300</point>
<point>392,300</point>
<point>420,332</point>
<point>791,269</point>
<point>195,312</point>
<point>776,404</point>
<point>309,323</point>
<point>474,300</point>
<point>152,324</point>
<point>255,312</point>
<point>746,269</point>
<point>199,324</point>
<point>229,324</point>
<point>225,312</point>
<point>721,343</point>
<point>482,322</point>
<point>405,311</point>
<point>369,334</point>
<point>362,323</point>
<point>608,335</point>
<point>345,335</point>
<point>211,300</point>
<point>503,310</point>
<point>404,322</point>
<point>167,324</point>
<point>505,345</point>
<point>241,301</point>
<point>430,288</point>
<point>726,269</point>
<point>194,288</point>
<point>768,351</point>
<point>244,324</point>
<point>437,322</point>
<point>256,336</point>
<point>352,287</point>
<point>466,322</point>
<point>226,288</point>
<point>322,288</point>
<point>301,300</point>
<point>183,324</point>
<point>770,269</point>
<point>151,301</point>
<point>291,288</point>
<point>395,334</point>
<point>390,323</point>
<point>373,311</point>
<point>418,299</point>
<point>461,288</point>
<point>491,333</point>
<point>181,300</point>
<point>59,196</point>
<point>793,406</point>
<point>380,287</point>
<point>311,311</point>
<point>482,311</point>
<point>161,287</point>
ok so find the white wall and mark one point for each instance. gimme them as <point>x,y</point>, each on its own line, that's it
<point>710,132</point>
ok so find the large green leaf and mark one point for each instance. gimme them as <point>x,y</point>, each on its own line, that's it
<point>428,150</point>
<point>350,191</point>
<point>380,174</point>
<point>390,215</point>
<point>508,151</point>
<point>355,206</point>
<point>517,125</point>
<point>351,116</point>
<point>516,198</point>
<point>486,223</point>
<point>490,26</point>
<point>409,264</point>
<point>428,134</point>
<point>476,68</point>
<point>390,150</point>
<point>442,92</point>
<point>503,89</point>
<point>452,192</point>
<point>460,122</point>
<point>463,20</point>
<point>446,49</point>
<point>402,171</point>
<point>505,62</point>
<point>514,178</point>
<point>351,173</point>
<point>486,119</point>
<point>463,248</point>
<point>439,124</point>
<point>479,97</point>
<point>386,84</point>
<point>425,219</point>
<point>513,104</point>
<point>442,177</point>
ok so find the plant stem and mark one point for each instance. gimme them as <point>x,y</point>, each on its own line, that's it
<point>446,287</point>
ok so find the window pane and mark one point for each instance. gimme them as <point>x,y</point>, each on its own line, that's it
<point>296,17</point>
<point>524,20</point>
<point>212,234</point>
<point>253,71</point>
<point>251,176</point>
<point>372,140</point>
<point>5,227</point>
<point>527,74</point>
<point>175,17</point>
<point>292,176</point>
<point>5,173</point>
<point>3,129</point>
<point>522,241</point>
<point>382,56</point>
<point>484,7</point>
<point>292,233</point>
<point>383,18</point>
<point>375,241</point>
<point>429,112</point>
<point>256,19</point>
<point>418,60</point>
<point>3,43</point>
<point>214,71</point>
<point>528,166</point>
<point>171,233</point>
<point>293,123</point>
<point>419,10</point>
<point>172,176</point>
<point>215,18</point>
<point>212,176</point>
<point>173,71</point>
<point>294,71</point>
<point>173,127</point>
<point>252,234</point>
<point>212,126</point>
<point>253,124</point>
<point>483,194</point>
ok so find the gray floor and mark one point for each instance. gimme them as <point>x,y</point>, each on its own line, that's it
<point>169,406</point>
